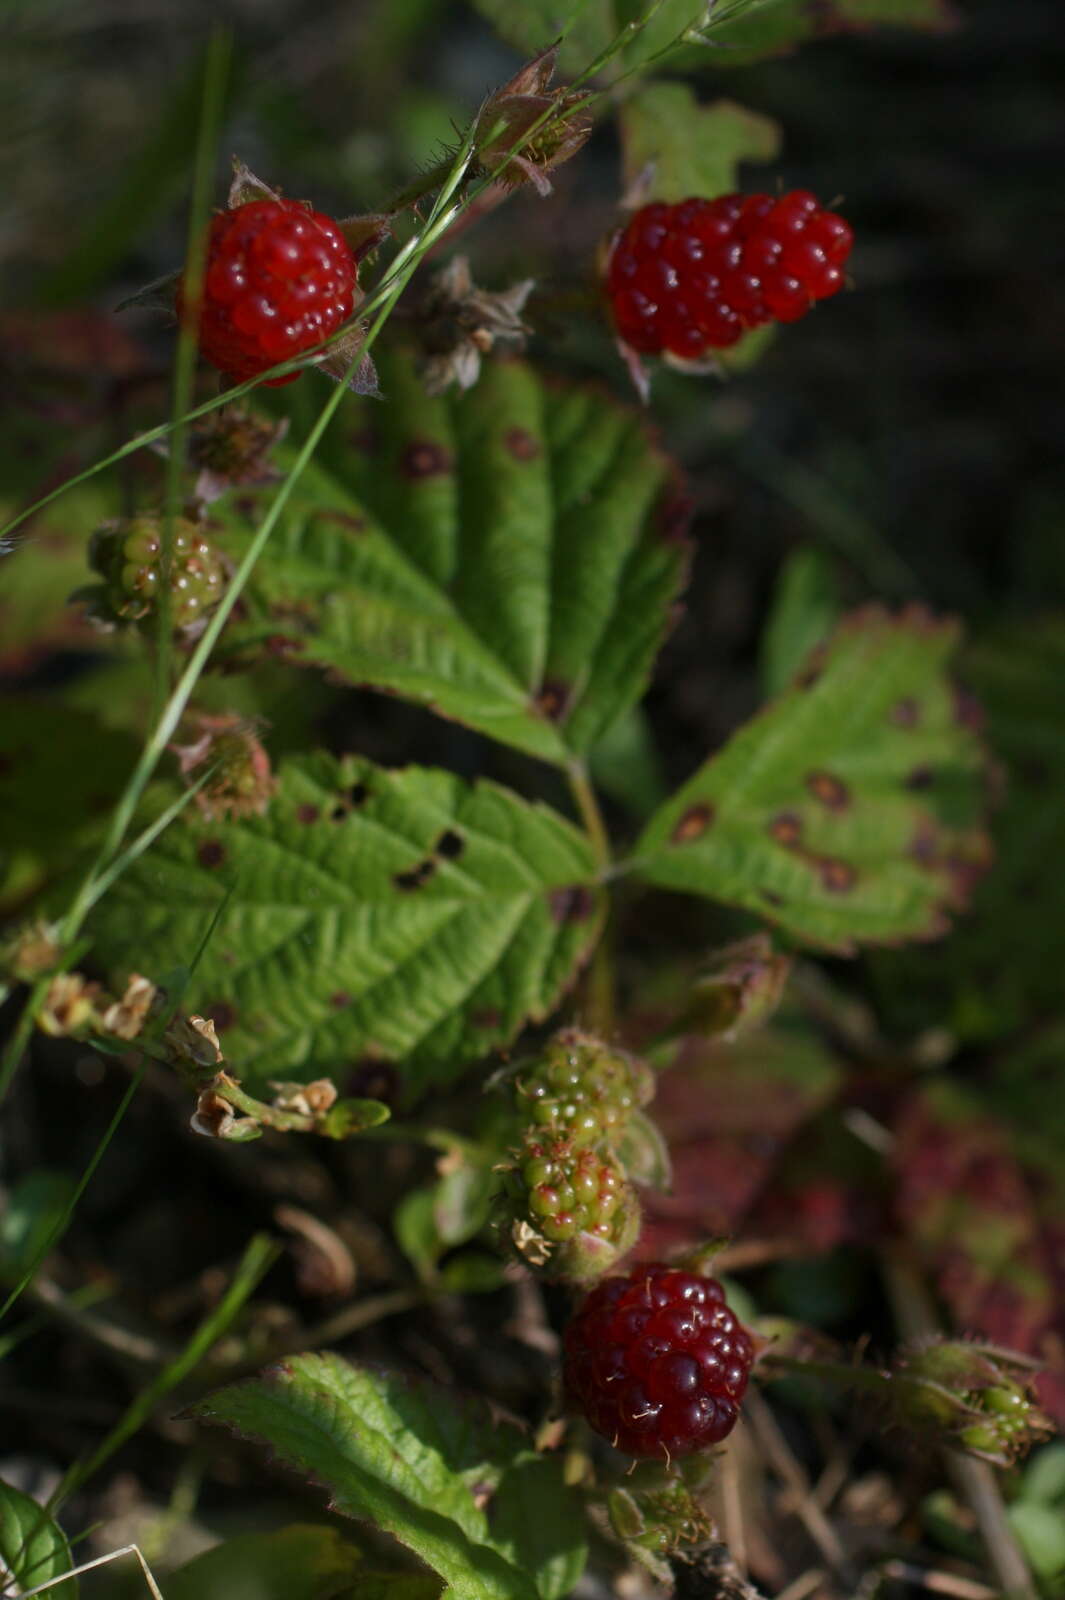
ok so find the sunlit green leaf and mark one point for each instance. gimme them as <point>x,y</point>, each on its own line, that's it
<point>393,915</point>
<point>462,1489</point>
<point>510,556</point>
<point>849,809</point>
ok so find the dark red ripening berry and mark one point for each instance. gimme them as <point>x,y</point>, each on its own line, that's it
<point>695,276</point>
<point>278,278</point>
<point>657,1362</point>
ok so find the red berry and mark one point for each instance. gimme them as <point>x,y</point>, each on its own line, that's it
<point>697,275</point>
<point>278,279</point>
<point>657,1362</point>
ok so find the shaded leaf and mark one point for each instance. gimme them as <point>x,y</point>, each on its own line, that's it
<point>58,768</point>
<point>461,1489</point>
<point>970,1209</point>
<point>993,975</point>
<point>31,1211</point>
<point>726,1113</point>
<point>848,810</point>
<point>779,26</point>
<point>804,609</point>
<point>390,915</point>
<point>588,27</point>
<point>691,150</point>
<point>302,1562</point>
<point>509,556</point>
<point>33,1548</point>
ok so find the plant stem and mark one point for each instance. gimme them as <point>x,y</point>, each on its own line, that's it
<point>599,983</point>
<point>588,808</point>
<point>973,1479</point>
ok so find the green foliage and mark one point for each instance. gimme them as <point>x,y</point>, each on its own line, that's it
<point>687,149</point>
<point>848,810</point>
<point>302,1562</point>
<point>776,26</point>
<point>396,915</point>
<point>993,976</point>
<point>460,1489</point>
<point>588,27</point>
<point>31,1214</point>
<point>804,610</point>
<point>509,556</point>
<point>33,1548</point>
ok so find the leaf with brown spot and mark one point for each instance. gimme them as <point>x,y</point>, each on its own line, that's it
<point>815,814</point>
<point>518,562</point>
<point>395,930</point>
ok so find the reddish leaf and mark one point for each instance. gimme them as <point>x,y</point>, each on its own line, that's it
<point>971,1210</point>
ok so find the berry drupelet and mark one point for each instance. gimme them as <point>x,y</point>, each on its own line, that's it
<point>696,276</point>
<point>278,279</point>
<point>657,1362</point>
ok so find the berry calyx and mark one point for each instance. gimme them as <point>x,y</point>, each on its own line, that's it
<point>687,278</point>
<point>657,1362</point>
<point>278,279</point>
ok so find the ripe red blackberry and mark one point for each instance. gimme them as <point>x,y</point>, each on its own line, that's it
<point>696,276</point>
<point>657,1362</point>
<point>278,278</point>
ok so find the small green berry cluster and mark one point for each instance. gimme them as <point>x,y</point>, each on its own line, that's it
<point>128,555</point>
<point>572,1208</point>
<point>977,1396</point>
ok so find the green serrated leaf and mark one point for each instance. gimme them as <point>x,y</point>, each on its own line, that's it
<point>303,1562</point>
<point>849,809</point>
<point>509,556</point>
<point>33,1548</point>
<point>588,27</point>
<point>440,1474</point>
<point>686,149</point>
<point>405,916</point>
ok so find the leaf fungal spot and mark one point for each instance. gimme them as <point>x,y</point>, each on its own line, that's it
<point>906,713</point>
<point>487,1017</point>
<point>340,1000</point>
<point>211,853</point>
<point>553,699</point>
<point>521,444</point>
<point>424,458</point>
<point>307,813</point>
<point>786,829</point>
<point>572,904</point>
<point>831,791</point>
<point>839,877</point>
<point>673,516</point>
<point>416,876</point>
<point>450,845</point>
<point>222,1013</point>
<point>921,778</point>
<point>693,824</point>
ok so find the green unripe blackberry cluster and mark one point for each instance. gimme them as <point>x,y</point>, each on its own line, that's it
<point>128,555</point>
<point>571,1206</point>
<point>976,1396</point>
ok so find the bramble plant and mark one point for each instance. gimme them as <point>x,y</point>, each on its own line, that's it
<point>298,939</point>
